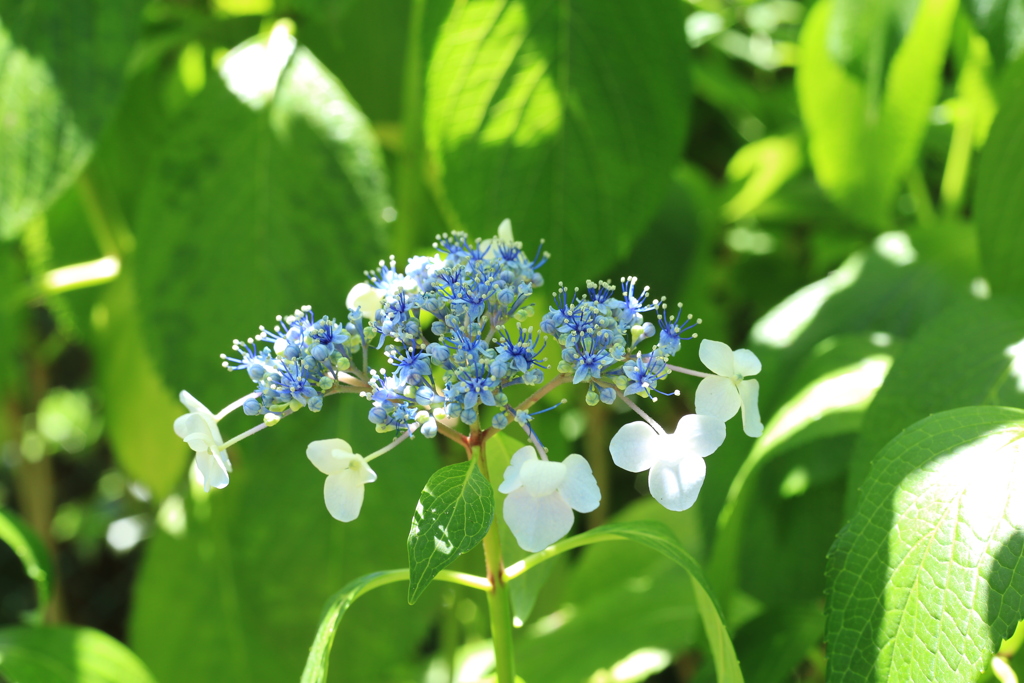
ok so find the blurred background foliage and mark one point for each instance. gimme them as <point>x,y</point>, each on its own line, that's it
<point>837,184</point>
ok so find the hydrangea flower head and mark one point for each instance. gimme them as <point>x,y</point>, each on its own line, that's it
<point>542,495</point>
<point>730,392</point>
<point>347,475</point>
<point>198,428</point>
<point>675,461</point>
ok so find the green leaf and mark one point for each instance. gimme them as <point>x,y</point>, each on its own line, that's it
<point>656,536</point>
<point>137,413</point>
<point>247,214</point>
<point>974,367</point>
<point>238,596</point>
<point>33,555</point>
<point>833,404</point>
<point>565,117</point>
<point>319,652</point>
<point>606,588</point>
<point>862,144</point>
<point>925,580</point>
<point>774,645</point>
<point>67,654</point>
<point>452,516</point>
<point>999,199</point>
<point>64,66</point>
<point>1002,24</point>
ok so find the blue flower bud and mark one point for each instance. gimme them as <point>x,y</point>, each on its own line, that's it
<point>500,420</point>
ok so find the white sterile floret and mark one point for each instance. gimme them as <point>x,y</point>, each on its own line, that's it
<point>723,396</point>
<point>347,475</point>
<point>675,461</point>
<point>366,298</point>
<point>198,428</point>
<point>543,494</point>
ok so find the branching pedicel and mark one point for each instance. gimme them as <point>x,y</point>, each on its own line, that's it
<point>456,371</point>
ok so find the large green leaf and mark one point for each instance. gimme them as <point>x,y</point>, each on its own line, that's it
<point>938,371</point>
<point>15,532</point>
<point>452,516</point>
<point>925,580</point>
<point>67,654</point>
<point>564,116</point>
<point>999,198</point>
<point>656,536</point>
<point>251,212</point>
<point>861,142</point>
<point>239,596</point>
<point>61,69</point>
<point>137,412</point>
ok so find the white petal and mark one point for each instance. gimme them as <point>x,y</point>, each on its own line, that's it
<point>717,357</point>
<point>676,485</point>
<point>364,297</point>
<point>343,494</point>
<point>747,364</point>
<point>698,435</point>
<point>635,446</point>
<point>541,477</point>
<point>751,415</point>
<point>505,231</point>
<point>192,404</point>
<point>212,470</point>
<point>580,489</point>
<point>537,522</point>
<point>330,456</point>
<point>189,423</point>
<point>718,397</point>
<point>511,481</point>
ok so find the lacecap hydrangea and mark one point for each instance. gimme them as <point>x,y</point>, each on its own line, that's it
<point>442,346</point>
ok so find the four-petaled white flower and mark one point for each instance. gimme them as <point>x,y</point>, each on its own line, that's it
<point>730,391</point>
<point>199,430</point>
<point>347,475</point>
<point>676,461</point>
<point>543,494</point>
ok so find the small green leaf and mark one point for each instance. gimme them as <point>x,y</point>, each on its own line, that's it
<point>453,514</point>
<point>999,199</point>
<point>32,553</point>
<point>656,536</point>
<point>565,117</point>
<point>925,580</point>
<point>63,68</point>
<point>67,654</point>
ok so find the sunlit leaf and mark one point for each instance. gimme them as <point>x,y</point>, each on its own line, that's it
<point>861,142</point>
<point>939,370</point>
<point>63,68</point>
<point>925,580</point>
<point>235,224</point>
<point>67,654</point>
<point>564,117</point>
<point>452,516</point>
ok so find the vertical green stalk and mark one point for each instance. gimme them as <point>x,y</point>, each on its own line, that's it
<point>497,597</point>
<point>410,161</point>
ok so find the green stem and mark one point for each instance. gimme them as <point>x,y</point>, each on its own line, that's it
<point>497,597</point>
